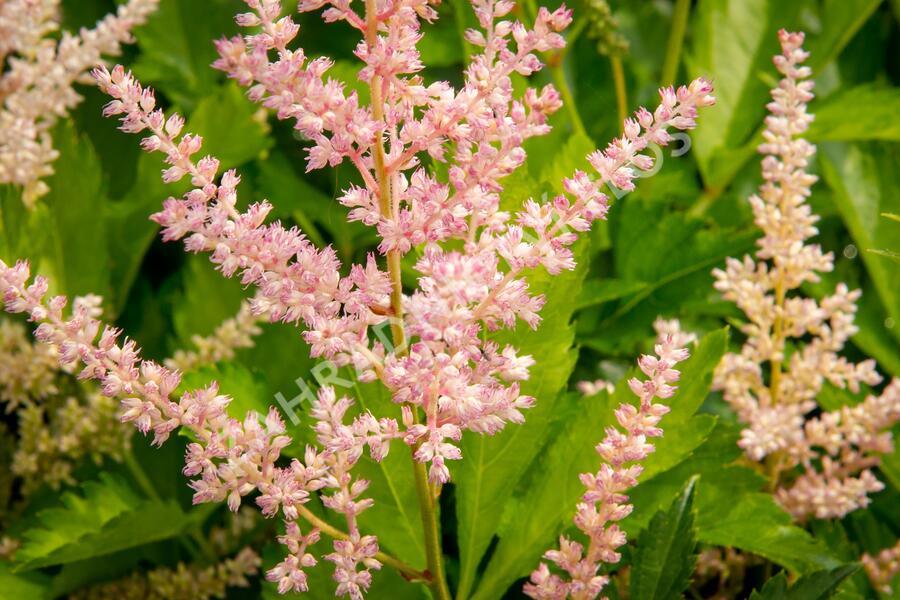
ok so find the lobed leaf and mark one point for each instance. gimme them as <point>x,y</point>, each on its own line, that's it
<point>665,558</point>
<point>107,517</point>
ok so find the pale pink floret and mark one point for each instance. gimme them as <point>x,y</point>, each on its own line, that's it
<point>604,501</point>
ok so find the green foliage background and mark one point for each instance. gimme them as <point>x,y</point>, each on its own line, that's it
<point>514,492</point>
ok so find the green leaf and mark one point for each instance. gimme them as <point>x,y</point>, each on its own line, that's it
<point>601,291</point>
<point>754,523</point>
<point>841,20</point>
<point>733,42</point>
<point>78,244</point>
<point>313,210</point>
<point>395,517</point>
<point>24,233</point>
<point>107,517</point>
<point>731,508</point>
<point>130,229</point>
<point>542,508</point>
<point>492,465</point>
<point>441,45</point>
<point>833,533</point>
<point>815,586</point>
<point>247,392</point>
<point>231,129</point>
<point>208,299</point>
<point>665,558</point>
<point>864,180</point>
<point>866,112</point>
<point>23,586</point>
<point>177,48</point>
<point>672,255</point>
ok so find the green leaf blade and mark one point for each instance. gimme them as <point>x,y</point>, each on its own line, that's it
<point>665,558</point>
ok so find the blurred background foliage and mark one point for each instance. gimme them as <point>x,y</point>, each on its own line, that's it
<point>652,258</point>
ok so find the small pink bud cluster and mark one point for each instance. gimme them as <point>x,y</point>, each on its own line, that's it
<point>845,444</point>
<point>605,502</point>
<point>38,74</point>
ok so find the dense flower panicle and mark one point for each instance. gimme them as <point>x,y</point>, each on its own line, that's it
<point>28,371</point>
<point>460,293</point>
<point>54,431</point>
<point>36,86</point>
<point>882,568</point>
<point>604,501</point>
<point>774,402</point>
<point>230,458</point>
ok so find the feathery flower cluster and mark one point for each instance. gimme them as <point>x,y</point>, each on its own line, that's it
<point>845,443</point>
<point>882,568</point>
<point>38,74</point>
<point>460,381</point>
<point>472,265</point>
<point>232,335</point>
<point>53,438</point>
<point>605,501</point>
<point>54,431</point>
<point>28,371</point>
<point>184,582</point>
<point>232,458</point>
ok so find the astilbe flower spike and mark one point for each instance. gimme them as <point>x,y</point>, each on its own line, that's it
<point>230,458</point>
<point>472,265</point>
<point>38,74</point>
<point>845,444</point>
<point>604,501</point>
<point>440,363</point>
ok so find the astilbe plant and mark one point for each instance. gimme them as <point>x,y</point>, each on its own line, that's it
<point>819,462</point>
<point>38,77</point>
<point>444,374</point>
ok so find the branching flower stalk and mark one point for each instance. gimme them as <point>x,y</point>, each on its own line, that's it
<point>442,371</point>
<point>819,466</point>
<point>38,75</point>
